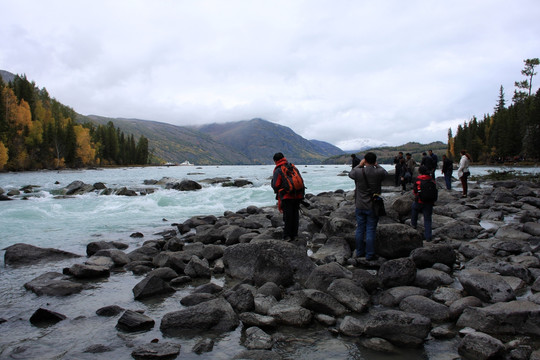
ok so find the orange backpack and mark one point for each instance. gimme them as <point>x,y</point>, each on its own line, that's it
<point>292,182</point>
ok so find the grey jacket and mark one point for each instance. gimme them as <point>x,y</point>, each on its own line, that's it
<point>375,175</point>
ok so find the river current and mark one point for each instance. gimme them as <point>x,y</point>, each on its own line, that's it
<point>41,218</point>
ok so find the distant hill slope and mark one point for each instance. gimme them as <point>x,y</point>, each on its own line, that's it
<point>386,154</point>
<point>259,140</point>
<point>172,143</point>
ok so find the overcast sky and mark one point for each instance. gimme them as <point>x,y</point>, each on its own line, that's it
<point>337,71</point>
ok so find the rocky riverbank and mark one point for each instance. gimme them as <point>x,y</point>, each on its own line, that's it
<point>475,286</point>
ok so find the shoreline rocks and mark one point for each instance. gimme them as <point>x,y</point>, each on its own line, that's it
<point>482,273</point>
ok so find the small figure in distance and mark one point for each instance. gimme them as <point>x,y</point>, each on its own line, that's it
<point>463,171</point>
<point>447,170</point>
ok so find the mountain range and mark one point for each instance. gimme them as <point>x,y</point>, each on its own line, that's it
<point>244,142</point>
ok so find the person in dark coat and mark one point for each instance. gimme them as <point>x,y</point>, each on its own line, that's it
<point>447,170</point>
<point>397,162</point>
<point>355,160</point>
<point>366,220</point>
<point>418,206</point>
<point>289,204</point>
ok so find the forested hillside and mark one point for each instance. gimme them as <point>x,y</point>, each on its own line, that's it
<point>510,133</point>
<point>38,132</point>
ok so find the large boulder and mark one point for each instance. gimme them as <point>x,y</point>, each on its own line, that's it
<point>349,294</point>
<point>392,297</point>
<point>151,286</point>
<point>198,268</point>
<point>397,272</point>
<point>240,259</point>
<point>53,284</point>
<point>335,246</point>
<point>271,266</point>
<point>85,271</point>
<point>132,321</point>
<point>427,256</point>
<point>214,315</point>
<point>396,240</point>
<point>290,314</point>
<point>398,327</point>
<point>24,254</point>
<point>457,230</point>
<point>45,317</point>
<point>486,286</point>
<point>514,317</point>
<point>322,276</point>
<point>422,305</point>
<point>321,302</point>
<point>480,346</point>
<point>184,185</point>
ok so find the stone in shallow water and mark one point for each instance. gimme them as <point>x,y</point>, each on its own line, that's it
<point>153,351</point>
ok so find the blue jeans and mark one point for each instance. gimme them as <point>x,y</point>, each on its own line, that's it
<point>366,223</point>
<point>448,180</point>
<point>427,211</point>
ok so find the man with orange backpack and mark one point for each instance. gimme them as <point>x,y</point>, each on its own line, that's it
<point>289,188</point>
<point>425,195</point>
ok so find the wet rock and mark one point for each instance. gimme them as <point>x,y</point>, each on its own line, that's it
<point>97,349</point>
<point>215,315</point>
<point>257,339</point>
<point>241,299</point>
<point>322,276</point>
<point>334,246</point>
<point>270,288</point>
<point>422,305</point>
<point>458,306</point>
<point>432,278</point>
<point>258,355</point>
<point>132,321</point>
<point>254,319</point>
<point>271,266</point>
<point>117,256</point>
<point>392,297</point>
<point>240,259</point>
<point>100,261</point>
<point>425,257</point>
<point>396,240</point>
<point>124,191</point>
<point>24,254</point>
<point>351,326</point>
<point>367,280</point>
<point>349,294</point>
<point>509,232</point>
<point>164,273</point>
<point>111,310</point>
<point>447,295</point>
<point>398,327</point>
<point>78,187</point>
<point>397,272</point>
<point>457,230</point>
<point>321,302</point>
<point>197,268</point>
<point>378,344</point>
<point>486,286</point>
<point>53,284</point>
<point>263,303</point>
<point>156,351</point>
<point>45,317</point>
<point>290,314</point>
<point>85,271</point>
<point>212,252</point>
<point>203,346</point>
<point>144,253</point>
<point>197,298</point>
<point>184,185</point>
<point>532,228</point>
<point>151,286</point>
<point>514,317</point>
<point>480,346</point>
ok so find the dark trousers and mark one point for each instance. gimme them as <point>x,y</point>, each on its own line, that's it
<point>291,217</point>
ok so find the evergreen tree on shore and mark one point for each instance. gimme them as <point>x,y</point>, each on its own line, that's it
<point>38,132</point>
<point>512,132</point>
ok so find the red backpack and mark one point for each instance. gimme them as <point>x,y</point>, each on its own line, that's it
<point>292,182</point>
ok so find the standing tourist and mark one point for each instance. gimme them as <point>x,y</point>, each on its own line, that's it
<point>425,194</point>
<point>411,164</point>
<point>355,160</point>
<point>397,162</point>
<point>289,188</point>
<point>368,177</point>
<point>447,170</point>
<point>435,162</point>
<point>463,171</point>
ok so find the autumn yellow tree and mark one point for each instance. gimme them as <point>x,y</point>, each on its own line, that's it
<point>84,151</point>
<point>3,155</point>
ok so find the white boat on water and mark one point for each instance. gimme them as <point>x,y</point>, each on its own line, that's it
<point>186,163</point>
